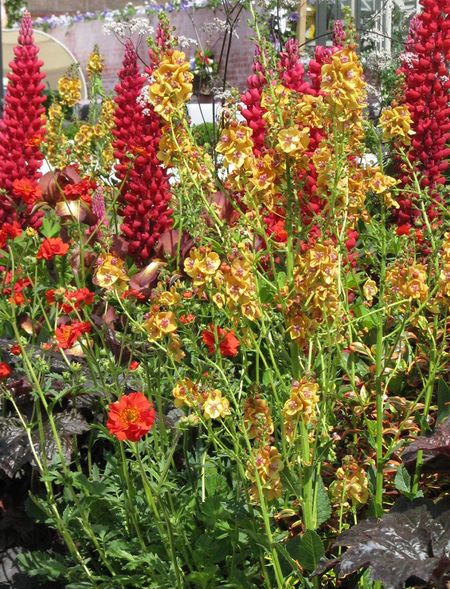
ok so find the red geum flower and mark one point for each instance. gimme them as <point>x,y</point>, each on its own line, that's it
<point>51,247</point>
<point>74,299</point>
<point>228,342</point>
<point>27,190</point>
<point>404,229</point>
<point>15,350</point>
<point>185,319</point>
<point>81,190</point>
<point>67,335</point>
<point>131,417</point>
<point>9,231</point>
<point>134,365</point>
<point>5,370</point>
<point>18,298</point>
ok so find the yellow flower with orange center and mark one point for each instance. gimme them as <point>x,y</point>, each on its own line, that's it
<point>380,184</point>
<point>351,484</point>
<point>186,392</point>
<point>95,63</point>
<point>308,111</point>
<point>235,145</point>
<point>257,418</point>
<point>110,273</point>
<point>172,84</point>
<point>215,405</point>
<point>69,87</point>
<point>56,143</point>
<point>408,281</point>
<point>396,123</point>
<point>201,265</point>
<point>293,140</point>
<point>303,401</point>
<point>342,80</point>
<point>266,465</point>
<point>160,324</point>
<point>370,289</point>
<point>278,100</point>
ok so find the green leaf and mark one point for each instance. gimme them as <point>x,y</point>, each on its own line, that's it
<point>443,398</point>
<point>309,551</point>
<point>50,227</point>
<point>267,378</point>
<point>323,505</point>
<point>402,481</point>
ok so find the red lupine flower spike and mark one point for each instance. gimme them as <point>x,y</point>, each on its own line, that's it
<point>144,201</point>
<point>22,127</point>
<point>426,90</point>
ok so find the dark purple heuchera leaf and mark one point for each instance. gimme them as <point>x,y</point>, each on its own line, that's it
<point>436,450</point>
<point>15,448</point>
<point>409,546</point>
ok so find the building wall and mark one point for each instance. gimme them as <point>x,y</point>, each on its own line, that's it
<point>41,7</point>
<point>81,37</point>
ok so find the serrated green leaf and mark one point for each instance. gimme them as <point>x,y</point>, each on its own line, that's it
<point>323,505</point>
<point>307,549</point>
<point>402,480</point>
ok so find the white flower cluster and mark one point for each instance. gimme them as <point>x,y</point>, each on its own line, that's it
<point>142,99</point>
<point>377,60</point>
<point>186,42</point>
<point>408,58</point>
<point>124,30</point>
<point>217,26</point>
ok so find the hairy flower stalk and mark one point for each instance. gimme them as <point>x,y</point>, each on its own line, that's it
<point>22,128</point>
<point>145,193</point>
<point>426,88</point>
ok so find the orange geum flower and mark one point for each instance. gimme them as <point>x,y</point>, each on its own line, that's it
<point>27,190</point>
<point>131,417</point>
<point>227,340</point>
<point>215,405</point>
<point>67,335</point>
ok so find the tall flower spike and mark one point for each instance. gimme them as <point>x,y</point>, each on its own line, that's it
<point>291,68</point>
<point>252,110</point>
<point>426,88</point>
<point>22,126</point>
<point>145,194</point>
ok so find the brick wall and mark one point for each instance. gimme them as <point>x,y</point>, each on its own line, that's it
<point>80,39</point>
<point>40,7</point>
